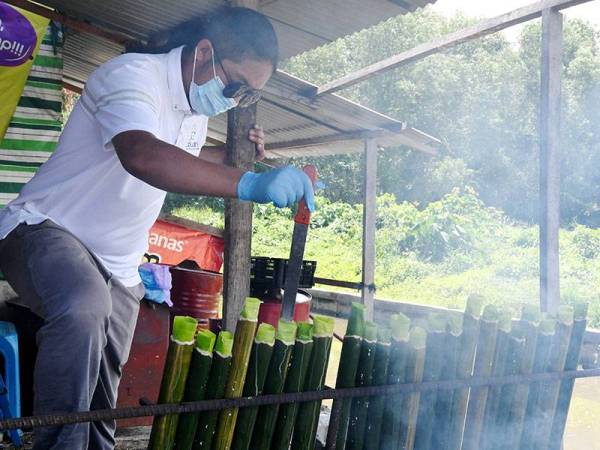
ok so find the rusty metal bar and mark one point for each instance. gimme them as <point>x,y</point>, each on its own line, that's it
<point>244,402</point>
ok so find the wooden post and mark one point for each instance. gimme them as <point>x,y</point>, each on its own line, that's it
<point>369,214</point>
<point>238,214</point>
<point>550,111</point>
<point>238,219</point>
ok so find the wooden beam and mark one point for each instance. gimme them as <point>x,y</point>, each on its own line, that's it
<point>550,112</point>
<point>71,87</point>
<point>238,214</point>
<point>419,52</point>
<point>238,219</point>
<point>338,304</point>
<point>369,216</point>
<point>321,140</point>
<point>338,283</point>
<point>70,22</point>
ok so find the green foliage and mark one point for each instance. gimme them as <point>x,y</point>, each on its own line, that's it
<point>437,241</point>
<point>436,255</point>
<point>586,241</point>
<point>481,98</point>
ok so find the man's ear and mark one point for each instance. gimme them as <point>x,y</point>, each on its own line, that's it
<point>204,52</point>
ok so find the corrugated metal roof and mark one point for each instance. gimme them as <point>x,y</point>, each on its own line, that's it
<point>293,122</point>
<point>300,24</point>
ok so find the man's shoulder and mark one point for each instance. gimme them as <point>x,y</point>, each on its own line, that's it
<point>131,67</point>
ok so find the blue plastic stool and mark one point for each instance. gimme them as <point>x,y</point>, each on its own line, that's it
<point>6,413</point>
<point>9,349</point>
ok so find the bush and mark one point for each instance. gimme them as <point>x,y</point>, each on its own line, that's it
<point>436,255</point>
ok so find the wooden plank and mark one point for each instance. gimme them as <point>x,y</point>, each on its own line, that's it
<point>238,219</point>
<point>192,225</point>
<point>339,137</point>
<point>70,22</point>
<point>71,87</point>
<point>550,111</point>
<point>253,4</point>
<point>338,283</point>
<point>369,216</point>
<point>483,28</point>
<point>338,304</point>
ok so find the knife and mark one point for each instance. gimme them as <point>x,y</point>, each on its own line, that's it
<point>294,266</point>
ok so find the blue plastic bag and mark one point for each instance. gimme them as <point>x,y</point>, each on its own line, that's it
<point>157,282</point>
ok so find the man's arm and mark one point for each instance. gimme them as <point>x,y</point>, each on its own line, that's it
<point>172,169</point>
<point>213,154</point>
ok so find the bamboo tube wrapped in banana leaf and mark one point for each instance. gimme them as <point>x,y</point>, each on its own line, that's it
<point>543,346</point>
<point>195,388</point>
<point>549,390</point>
<point>276,376</point>
<point>434,357</point>
<point>484,358</point>
<point>498,369</point>
<point>464,369</point>
<point>215,388</point>
<point>364,377</point>
<point>346,376</point>
<point>260,358</point>
<point>390,428</point>
<point>305,429</point>
<point>417,343</point>
<point>566,386</point>
<point>380,377</point>
<point>443,407</point>
<point>530,325</point>
<point>177,365</point>
<point>242,347</point>
<point>284,427</point>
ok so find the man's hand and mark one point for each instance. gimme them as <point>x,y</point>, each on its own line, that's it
<point>283,187</point>
<point>257,135</point>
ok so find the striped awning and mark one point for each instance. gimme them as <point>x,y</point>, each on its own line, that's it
<point>36,125</point>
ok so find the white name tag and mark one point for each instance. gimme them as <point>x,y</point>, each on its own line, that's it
<point>191,134</point>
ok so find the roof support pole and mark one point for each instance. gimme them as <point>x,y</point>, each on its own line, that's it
<point>238,219</point>
<point>369,216</point>
<point>550,111</point>
<point>238,214</point>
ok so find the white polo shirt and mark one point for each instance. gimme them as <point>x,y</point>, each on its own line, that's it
<point>83,186</point>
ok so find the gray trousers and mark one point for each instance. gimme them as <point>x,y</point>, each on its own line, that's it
<point>89,319</point>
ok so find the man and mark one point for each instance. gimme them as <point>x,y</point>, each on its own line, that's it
<point>72,240</point>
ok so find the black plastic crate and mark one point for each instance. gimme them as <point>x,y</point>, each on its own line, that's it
<point>269,273</point>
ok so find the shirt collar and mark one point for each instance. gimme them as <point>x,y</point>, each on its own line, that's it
<point>175,81</point>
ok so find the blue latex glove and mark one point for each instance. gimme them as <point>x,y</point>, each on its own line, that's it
<point>283,187</point>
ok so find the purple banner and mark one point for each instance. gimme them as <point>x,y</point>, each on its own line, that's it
<point>17,37</point>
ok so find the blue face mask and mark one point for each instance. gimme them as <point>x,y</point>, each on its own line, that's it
<point>208,98</point>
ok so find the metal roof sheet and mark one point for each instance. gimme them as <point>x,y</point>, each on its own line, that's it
<point>293,123</point>
<point>300,24</point>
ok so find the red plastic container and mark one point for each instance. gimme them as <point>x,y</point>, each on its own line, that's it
<point>196,293</point>
<point>270,311</point>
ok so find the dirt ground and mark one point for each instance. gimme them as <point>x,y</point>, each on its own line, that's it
<point>583,430</point>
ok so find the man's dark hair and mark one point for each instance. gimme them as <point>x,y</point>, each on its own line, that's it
<point>235,33</point>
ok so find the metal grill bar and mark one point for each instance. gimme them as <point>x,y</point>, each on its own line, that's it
<point>244,402</point>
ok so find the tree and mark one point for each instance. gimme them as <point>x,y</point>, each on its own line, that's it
<point>482,100</point>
